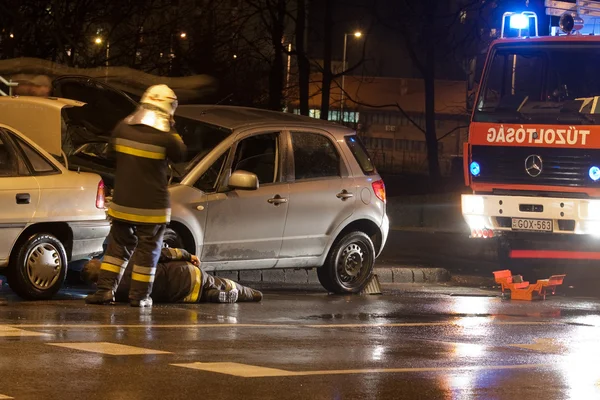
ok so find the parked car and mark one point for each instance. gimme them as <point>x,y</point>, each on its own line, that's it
<point>50,216</point>
<point>258,189</point>
<point>277,190</point>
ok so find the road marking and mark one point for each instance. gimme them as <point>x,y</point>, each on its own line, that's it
<point>9,331</point>
<point>112,349</point>
<point>270,326</point>
<point>4,397</point>
<point>543,345</point>
<point>253,371</point>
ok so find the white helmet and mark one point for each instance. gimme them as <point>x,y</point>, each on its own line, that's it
<point>162,97</point>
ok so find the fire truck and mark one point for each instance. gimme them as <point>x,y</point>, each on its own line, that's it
<point>532,159</point>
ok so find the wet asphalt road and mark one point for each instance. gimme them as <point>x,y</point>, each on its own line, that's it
<point>410,343</point>
<point>473,257</point>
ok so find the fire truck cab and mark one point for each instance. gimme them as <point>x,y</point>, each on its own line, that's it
<point>533,155</point>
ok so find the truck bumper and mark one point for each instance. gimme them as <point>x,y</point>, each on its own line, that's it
<point>88,238</point>
<point>498,214</point>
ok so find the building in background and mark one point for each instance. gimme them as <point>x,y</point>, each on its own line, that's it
<point>388,113</point>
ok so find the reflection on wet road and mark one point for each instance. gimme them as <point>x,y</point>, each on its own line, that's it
<point>303,345</point>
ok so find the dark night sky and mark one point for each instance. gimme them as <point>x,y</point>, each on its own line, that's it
<point>385,53</point>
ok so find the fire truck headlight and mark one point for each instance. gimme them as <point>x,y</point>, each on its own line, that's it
<point>472,204</point>
<point>594,173</point>
<point>593,211</point>
<point>474,168</point>
<point>519,21</point>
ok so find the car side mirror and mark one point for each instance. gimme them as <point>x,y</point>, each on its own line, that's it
<point>243,180</point>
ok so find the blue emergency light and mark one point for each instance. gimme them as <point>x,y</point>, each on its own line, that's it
<point>519,21</point>
<point>594,173</point>
<point>476,170</point>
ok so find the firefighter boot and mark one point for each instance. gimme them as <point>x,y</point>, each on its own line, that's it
<point>230,296</point>
<point>256,295</point>
<point>101,296</point>
<point>146,302</point>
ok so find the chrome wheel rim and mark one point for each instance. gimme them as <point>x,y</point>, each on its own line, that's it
<point>353,264</point>
<point>43,266</point>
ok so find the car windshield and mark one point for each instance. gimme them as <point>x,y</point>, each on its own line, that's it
<point>200,139</point>
<point>550,83</point>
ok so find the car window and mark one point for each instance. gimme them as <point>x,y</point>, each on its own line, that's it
<point>8,166</point>
<point>314,156</point>
<point>209,180</point>
<point>96,150</point>
<point>199,138</point>
<point>38,162</point>
<point>360,154</point>
<point>258,154</point>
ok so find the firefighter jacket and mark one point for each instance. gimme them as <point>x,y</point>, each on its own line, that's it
<point>142,173</point>
<point>176,279</point>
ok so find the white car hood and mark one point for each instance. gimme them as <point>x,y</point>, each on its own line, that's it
<point>38,118</point>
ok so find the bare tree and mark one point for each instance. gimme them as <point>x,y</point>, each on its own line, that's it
<point>302,57</point>
<point>431,32</point>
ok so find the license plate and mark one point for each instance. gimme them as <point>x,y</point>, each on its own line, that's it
<point>526,224</point>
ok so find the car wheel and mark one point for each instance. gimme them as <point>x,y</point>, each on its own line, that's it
<point>172,240</point>
<point>39,267</point>
<point>349,265</point>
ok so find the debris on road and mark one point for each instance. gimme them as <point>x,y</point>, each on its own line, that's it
<point>522,290</point>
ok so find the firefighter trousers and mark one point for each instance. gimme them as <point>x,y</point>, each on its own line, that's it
<point>138,242</point>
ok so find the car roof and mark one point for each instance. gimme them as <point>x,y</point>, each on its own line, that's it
<point>549,39</point>
<point>234,117</point>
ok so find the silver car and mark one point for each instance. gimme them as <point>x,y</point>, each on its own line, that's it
<point>276,190</point>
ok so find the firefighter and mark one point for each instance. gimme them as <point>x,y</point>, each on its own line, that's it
<point>140,208</point>
<point>179,278</point>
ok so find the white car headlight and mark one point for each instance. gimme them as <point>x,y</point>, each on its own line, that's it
<point>472,204</point>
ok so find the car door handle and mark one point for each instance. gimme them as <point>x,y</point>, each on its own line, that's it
<point>344,195</point>
<point>277,200</point>
<point>23,198</point>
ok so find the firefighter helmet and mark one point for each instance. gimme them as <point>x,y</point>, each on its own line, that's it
<point>162,97</point>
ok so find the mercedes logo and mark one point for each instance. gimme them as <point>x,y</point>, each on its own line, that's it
<point>533,165</point>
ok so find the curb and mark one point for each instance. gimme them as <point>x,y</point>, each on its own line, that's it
<point>386,274</point>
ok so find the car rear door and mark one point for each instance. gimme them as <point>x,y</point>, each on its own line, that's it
<point>322,194</point>
<point>19,195</point>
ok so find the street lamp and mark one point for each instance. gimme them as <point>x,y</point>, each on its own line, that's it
<point>183,35</point>
<point>98,41</point>
<point>358,35</point>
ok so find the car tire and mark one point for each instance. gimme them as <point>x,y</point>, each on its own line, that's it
<point>39,267</point>
<point>171,239</point>
<point>349,265</point>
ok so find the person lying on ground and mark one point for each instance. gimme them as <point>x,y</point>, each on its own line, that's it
<point>179,278</point>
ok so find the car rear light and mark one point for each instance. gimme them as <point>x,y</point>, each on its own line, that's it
<point>100,195</point>
<point>379,189</point>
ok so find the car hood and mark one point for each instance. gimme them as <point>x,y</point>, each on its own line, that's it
<point>39,118</point>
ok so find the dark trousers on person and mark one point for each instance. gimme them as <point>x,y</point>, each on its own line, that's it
<point>139,242</point>
<point>214,285</point>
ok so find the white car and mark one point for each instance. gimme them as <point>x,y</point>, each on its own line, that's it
<point>49,216</point>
